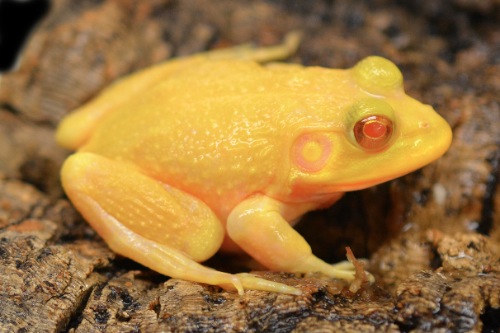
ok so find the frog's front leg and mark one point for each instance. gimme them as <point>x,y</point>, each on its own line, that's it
<point>152,223</point>
<point>257,225</point>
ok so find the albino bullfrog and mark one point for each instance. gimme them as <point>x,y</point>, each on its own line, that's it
<point>219,152</point>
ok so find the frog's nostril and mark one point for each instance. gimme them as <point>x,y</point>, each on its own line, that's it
<point>423,124</point>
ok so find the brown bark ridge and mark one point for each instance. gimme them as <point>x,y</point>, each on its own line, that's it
<point>432,237</point>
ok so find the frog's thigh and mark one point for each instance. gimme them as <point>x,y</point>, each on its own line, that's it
<point>258,227</point>
<point>76,128</point>
<point>120,193</point>
<point>156,225</point>
<point>139,217</point>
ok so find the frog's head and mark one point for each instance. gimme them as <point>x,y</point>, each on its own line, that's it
<point>378,135</point>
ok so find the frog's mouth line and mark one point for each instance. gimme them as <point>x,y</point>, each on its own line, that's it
<point>360,185</point>
<point>357,186</point>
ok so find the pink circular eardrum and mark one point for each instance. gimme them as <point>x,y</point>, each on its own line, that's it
<point>311,151</point>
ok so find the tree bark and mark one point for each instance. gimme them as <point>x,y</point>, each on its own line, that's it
<point>432,238</point>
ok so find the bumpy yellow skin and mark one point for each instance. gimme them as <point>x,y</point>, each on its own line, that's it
<point>216,151</point>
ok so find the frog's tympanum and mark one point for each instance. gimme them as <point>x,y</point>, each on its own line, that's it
<point>216,151</point>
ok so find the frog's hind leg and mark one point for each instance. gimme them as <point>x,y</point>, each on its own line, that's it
<point>266,54</point>
<point>76,128</point>
<point>156,225</point>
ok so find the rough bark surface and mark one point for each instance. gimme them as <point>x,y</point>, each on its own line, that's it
<point>432,238</point>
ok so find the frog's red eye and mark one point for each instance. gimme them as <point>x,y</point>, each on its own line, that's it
<point>373,132</point>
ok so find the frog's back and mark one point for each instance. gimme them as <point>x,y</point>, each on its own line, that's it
<point>216,132</point>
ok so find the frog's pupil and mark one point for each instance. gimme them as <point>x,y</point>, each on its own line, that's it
<point>374,129</point>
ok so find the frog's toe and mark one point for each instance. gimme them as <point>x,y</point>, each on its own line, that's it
<point>343,270</point>
<point>370,277</point>
<point>346,268</point>
<point>251,281</point>
<point>343,274</point>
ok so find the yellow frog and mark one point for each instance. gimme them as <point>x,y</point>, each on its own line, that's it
<point>216,151</point>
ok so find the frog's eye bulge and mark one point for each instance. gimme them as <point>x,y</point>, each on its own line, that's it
<point>378,75</point>
<point>371,124</point>
<point>310,151</point>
